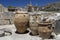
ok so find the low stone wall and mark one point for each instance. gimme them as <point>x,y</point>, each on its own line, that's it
<point>6,18</point>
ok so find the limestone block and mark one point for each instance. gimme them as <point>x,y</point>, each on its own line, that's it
<point>6,15</point>
<point>3,22</point>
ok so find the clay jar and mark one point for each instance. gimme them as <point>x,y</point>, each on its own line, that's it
<point>34,28</point>
<point>33,25</point>
<point>21,21</point>
<point>45,30</point>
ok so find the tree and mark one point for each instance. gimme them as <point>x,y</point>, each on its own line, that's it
<point>11,7</point>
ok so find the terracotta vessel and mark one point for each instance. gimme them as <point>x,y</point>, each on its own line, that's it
<point>33,25</point>
<point>34,28</point>
<point>21,21</point>
<point>45,30</point>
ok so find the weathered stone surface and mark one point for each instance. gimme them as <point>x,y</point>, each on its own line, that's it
<point>6,18</point>
<point>3,22</point>
<point>11,21</point>
<point>7,15</point>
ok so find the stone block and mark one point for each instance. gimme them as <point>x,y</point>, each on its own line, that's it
<point>6,15</point>
<point>4,22</point>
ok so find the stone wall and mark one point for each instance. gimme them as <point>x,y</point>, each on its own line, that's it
<point>6,18</point>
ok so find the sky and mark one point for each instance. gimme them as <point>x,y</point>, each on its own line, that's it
<point>25,2</point>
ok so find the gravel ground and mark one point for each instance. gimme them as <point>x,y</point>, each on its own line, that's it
<point>15,36</point>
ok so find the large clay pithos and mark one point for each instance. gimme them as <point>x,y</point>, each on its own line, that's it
<point>34,25</point>
<point>21,20</point>
<point>34,28</point>
<point>45,30</point>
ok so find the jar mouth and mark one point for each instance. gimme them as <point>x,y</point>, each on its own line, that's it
<point>21,13</point>
<point>44,25</point>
